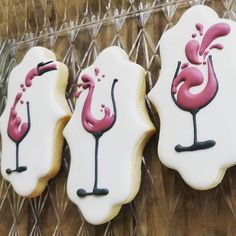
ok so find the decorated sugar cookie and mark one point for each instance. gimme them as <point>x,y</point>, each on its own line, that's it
<point>106,135</point>
<point>195,96</point>
<point>32,122</point>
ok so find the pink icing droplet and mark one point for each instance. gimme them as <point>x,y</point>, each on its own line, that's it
<point>199,27</point>
<point>77,95</point>
<point>22,85</point>
<point>186,64</point>
<point>194,35</point>
<point>96,70</point>
<point>103,105</point>
<point>191,51</point>
<point>205,54</point>
<point>204,63</point>
<point>17,99</point>
<point>217,46</point>
<point>23,89</point>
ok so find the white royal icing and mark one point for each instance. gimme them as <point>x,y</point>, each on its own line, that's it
<point>41,144</point>
<point>120,147</point>
<point>201,168</point>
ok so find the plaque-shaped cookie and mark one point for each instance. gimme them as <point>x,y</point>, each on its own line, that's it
<point>32,122</point>
<point>106,135</point>
<point>195,96</point>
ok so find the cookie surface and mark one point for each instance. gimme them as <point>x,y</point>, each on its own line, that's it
<point>194,96</point>
<point>32,122</point>
<point>106,135</point>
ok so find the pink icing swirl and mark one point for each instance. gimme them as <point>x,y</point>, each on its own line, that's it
<point>16,129</point>
<point>214,32</point>
<point>39,70</point>
<point>192,77</point>
<point>199,27</point>
<point>90,123</point>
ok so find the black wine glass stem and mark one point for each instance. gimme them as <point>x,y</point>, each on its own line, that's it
<point>17,155</point>
<point>194,114</point>
<point>96,162</point>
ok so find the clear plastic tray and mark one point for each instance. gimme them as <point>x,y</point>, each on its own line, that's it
<point>77,31</point>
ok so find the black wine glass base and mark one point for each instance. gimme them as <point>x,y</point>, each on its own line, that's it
<point>196,146</point>
<point>97,192</point>
<point>19,169</point>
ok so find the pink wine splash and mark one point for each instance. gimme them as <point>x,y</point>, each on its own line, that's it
<point>97,127</point>
<point>190,76</point>
<point>16,129</point>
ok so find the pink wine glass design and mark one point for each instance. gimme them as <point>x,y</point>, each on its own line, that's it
<point>191,76</point>
<point>97,127</point>
<point>17,130</point>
